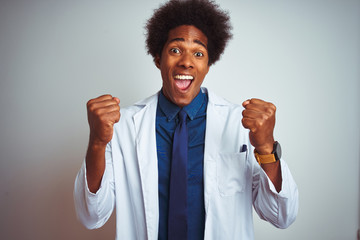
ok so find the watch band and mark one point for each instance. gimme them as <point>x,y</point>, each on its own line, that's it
<point>264,159</point>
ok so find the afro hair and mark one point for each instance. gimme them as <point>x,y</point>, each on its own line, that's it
<point>205,15</point>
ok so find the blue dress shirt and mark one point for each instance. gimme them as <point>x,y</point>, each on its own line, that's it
<point>166,122</point>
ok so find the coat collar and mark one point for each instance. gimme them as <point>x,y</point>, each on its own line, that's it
<point>213,98</point>
<point>145,134</point>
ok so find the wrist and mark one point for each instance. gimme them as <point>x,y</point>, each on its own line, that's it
<point>265,149</point>
<point>96,144</point>
<point>93,147</point>
<point>271,157</point>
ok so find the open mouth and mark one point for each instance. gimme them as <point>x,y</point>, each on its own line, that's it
<point>183,82</point>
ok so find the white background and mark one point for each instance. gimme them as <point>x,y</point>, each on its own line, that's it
<point>304,56</point>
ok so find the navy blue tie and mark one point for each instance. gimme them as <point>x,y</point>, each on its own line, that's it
<point>177,220</point>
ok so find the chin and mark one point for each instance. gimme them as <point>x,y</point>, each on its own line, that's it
<point>181,102</point>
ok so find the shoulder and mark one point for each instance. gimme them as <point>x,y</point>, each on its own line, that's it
<point>145,108</point>
<point>129,111</point>
<point>221,104</point>
<point>138,113</point>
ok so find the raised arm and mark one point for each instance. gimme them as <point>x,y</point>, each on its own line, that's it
<point>103,112</point>
<point>259,118</point>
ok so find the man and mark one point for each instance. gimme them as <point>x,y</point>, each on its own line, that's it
<point>228,157</point>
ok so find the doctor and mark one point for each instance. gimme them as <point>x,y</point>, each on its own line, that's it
<point>233,161</point>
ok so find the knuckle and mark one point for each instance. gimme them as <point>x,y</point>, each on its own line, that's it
<point>106,96</point>
<point>243,121</point>
<point>89,103</point>
<point>109,124</point>
<point>265,117</point>
<point>97,111</point>
<point>274,108</point>
<point>271,106</point>
<point>117,118</point>
<point>91,108</point>
<point>259,124</point>
<point>101,118</point>
<point>269,111</point>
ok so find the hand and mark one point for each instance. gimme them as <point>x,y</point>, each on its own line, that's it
<point>259,118</point>
<point>103,112</point>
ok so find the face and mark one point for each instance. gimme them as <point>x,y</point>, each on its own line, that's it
<point>183,64</point>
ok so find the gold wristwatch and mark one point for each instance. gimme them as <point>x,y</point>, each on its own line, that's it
<point>269,158</point>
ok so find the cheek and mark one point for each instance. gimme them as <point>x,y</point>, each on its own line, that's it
<point>165,75</point>
<point>204,71</point>
<point>166,68</point>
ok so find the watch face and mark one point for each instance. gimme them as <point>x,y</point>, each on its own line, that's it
<point>277,150</point>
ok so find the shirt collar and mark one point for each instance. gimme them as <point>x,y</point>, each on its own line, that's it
<point>171,110</point>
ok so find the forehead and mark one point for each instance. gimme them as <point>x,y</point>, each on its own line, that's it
<point>188,33</point>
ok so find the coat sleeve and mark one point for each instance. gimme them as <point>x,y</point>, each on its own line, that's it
<point>280,209</point>
<point>94,209</point>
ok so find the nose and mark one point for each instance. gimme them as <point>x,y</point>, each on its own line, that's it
<point>186,61</point>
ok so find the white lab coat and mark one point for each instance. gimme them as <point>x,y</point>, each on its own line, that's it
<point>233,180</point>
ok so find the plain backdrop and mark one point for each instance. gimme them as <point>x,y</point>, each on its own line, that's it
<point>304,56</point>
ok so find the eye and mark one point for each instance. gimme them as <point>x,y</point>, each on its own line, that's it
<point>175,50</point>
<point>199,54</point>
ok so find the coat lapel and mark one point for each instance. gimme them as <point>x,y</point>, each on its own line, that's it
<point>215,123</point>
<point>144,121</point>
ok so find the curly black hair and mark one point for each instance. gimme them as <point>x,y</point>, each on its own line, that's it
<point>205,15</point>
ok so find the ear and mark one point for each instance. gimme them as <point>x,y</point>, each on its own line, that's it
<point>157,61</point>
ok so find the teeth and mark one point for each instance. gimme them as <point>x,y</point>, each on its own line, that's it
<point>184,77</point>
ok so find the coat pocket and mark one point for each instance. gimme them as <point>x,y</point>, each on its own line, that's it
<point>231,173</point>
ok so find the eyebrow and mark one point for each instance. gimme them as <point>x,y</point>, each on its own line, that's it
<point>183,40</point>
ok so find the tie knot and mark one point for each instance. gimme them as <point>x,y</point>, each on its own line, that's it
<point>182,116</point>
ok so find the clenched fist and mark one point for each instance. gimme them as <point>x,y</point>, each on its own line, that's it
<point>259,118</point>
<point>103,112</point>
